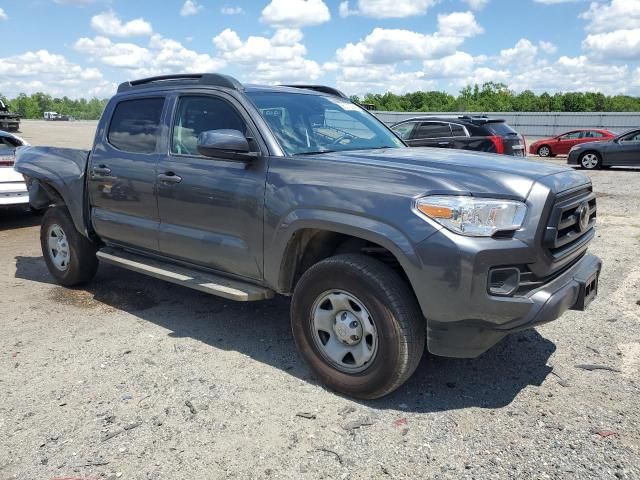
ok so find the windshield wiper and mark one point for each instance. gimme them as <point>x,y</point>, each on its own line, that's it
<point>313,153</point>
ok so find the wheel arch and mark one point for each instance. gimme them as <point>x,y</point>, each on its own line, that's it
<point>310,239</point>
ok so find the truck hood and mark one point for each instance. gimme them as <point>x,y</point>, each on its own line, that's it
<point>468,173</point>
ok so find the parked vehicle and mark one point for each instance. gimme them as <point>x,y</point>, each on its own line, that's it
<point>560,145</point>
<point>13,190</point>
<point>621,151</point>
<point>479,133</point>
<point>56,117</point>
<point>8,121</point>
<point>250,191</point>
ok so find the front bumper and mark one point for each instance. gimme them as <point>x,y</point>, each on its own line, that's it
<point>472,337</point>
<point>13,193</point>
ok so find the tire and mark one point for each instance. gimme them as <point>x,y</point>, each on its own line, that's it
<point>74,262</point>
<point>394,338</point>
<point>545,151</point>
<point>590,160</point>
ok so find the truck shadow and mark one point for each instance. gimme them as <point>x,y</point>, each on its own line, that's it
<point>17,217</point>
<point>261,331</point>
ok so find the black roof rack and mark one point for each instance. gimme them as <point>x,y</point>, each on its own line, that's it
<point>480,119</point>
<point>320,88</point>
<point>208,79</point>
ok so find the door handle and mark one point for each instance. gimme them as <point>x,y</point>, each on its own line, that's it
<point>444,144</point>
<point>169,178</point>
<point>101,171</point>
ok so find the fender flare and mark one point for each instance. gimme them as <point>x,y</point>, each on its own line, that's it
<point>345,223</point>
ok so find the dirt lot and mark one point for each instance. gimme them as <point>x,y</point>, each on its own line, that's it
<point>134,378</point>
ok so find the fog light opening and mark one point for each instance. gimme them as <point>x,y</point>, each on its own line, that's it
<point>504,282</point>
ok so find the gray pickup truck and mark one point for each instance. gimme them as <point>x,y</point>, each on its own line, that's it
<point>247,191</point>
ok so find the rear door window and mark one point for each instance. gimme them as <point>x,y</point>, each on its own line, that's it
<point>432,130</point>
<point>135,125</point>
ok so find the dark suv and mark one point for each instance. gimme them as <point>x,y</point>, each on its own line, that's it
<point>479,133</point>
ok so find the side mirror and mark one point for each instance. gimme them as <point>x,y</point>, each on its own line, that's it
<point>227,144</point>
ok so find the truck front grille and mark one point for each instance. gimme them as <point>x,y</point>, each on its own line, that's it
<point>571,224</point>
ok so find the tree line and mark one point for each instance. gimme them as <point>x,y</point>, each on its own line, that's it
<point>490,97</point>
<point>33,106</point>
<point>496,97</point>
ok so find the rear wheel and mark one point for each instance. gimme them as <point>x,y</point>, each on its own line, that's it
<point>544,151</point>
<point>590,160</point>
<point>358,326</point>
<point>69,255</point>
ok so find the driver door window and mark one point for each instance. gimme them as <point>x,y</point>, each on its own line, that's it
<point>634,137</point>
<point>200,114</point>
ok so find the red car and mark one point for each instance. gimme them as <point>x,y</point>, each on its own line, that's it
<point>560,145</point>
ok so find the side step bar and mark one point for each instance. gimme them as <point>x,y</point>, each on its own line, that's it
<point>205,282</point>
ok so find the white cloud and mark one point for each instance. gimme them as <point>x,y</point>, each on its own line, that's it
<point>109,24</point>
<point>477,4</point>
<point>3,14</point>
<point>387,8</point>
<point>278,59</point>
<point>75,3</point>
<point>389,46</point>
<point>51,73</point>
<point>616,15</point>
<point>522,53</point>
<point>572,74</point>
<point>232,11</point>
<point>382,78</point>
<point>160,56</point>
<point>555,2</point>
<point>459,24</point>
<point>190,7</point>
<point>295,13</point>
<point>547,47</point>
<point>619,45</point>
<point>460,64</point>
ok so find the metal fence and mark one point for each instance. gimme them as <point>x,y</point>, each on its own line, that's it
<point>538,124</point>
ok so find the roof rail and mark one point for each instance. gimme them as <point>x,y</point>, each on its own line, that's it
<point>320,88</point>
<point>208,79</point>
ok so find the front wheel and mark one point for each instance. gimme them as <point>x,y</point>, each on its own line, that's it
<point>69,255</point>
<point>590,161</point>
<point>357,324</point>
<point>544,151</point>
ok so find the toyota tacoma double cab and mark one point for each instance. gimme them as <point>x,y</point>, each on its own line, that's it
<point>247,191</point>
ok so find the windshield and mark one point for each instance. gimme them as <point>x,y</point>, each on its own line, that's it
<point>308,124</point>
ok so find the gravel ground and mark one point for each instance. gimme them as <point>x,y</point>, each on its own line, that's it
<point>134,378</point>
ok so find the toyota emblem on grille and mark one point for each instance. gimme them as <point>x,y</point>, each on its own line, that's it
<point>583,216</point>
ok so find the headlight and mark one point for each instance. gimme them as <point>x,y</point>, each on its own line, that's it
<point>471,216</point>
<point>574,148</point>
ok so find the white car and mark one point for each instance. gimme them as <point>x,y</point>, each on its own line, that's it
<point>13,190</point>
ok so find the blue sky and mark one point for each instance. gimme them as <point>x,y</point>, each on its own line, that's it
<point>85,47</point>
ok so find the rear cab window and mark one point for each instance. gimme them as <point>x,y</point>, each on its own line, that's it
<point>135,125</point>
<point>501,129</point>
